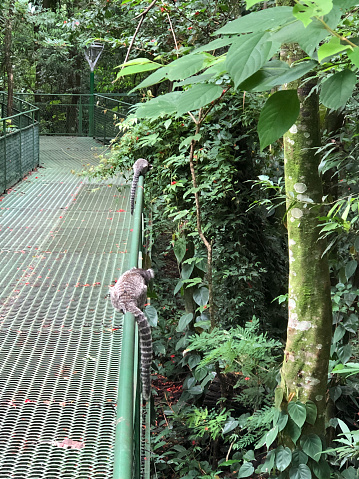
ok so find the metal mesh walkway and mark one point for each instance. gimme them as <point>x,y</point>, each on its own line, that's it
<point>63,241</point>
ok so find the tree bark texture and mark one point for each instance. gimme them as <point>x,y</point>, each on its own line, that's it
<point>8,25</point>
<point>304,373</point>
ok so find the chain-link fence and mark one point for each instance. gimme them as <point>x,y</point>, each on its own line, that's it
<point>19,141</point>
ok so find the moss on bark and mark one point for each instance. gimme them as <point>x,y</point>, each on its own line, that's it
<point>306,358</point>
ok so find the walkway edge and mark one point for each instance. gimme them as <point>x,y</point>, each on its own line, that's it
<point>124,445</point>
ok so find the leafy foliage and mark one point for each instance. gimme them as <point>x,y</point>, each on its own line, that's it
<point>178,67</point>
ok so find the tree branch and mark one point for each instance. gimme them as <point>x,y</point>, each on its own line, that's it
<point>205,241</point>
<point>142,15</point>
<point>173,33</point>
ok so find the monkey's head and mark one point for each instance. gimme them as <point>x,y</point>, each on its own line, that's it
<point>148,274</point>
<point>142,165</point>
<point>113,295</point>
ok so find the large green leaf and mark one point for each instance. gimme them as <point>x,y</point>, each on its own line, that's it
<point>230,425</point>
<point>321,469</point>
<point>328,49</point>
<point>187,270</point>
<point>283,458</point>
<point>258,21</point>
<point>305,12</point>
<point>179,248</point>
<point>312,412</point>
<point>349,473</point>
<point>268,463</point>
<point>312,446</point>
<point>345,4</point>
<point>215,44</point>
<point>188,65</point>
<point>344,353</point>
<point>138,65</point>
<point>193,80</point>
<point>151,315</point>
<point>293,430</point>
<point>278,114</point>
<point>250,3</point>
<point>296,71</point>
<point>300,472</point>
<point>337,90</point>
<point>245,470</point>
<point>179,69</point>
<point>248,54</point>
<point>299,457</point>
<point>198,96</point>
<point>184,322</point>
<point>297,412</point>
<point>350,268</point>
<point>264,76</point>
<point>152,79</point>
<point>354,56</point>
<point>316,32</point>
<point>308,38</point>
<point>160,106</point>
<point>271,436</point>
<point>282,420</point>
<point>275,73</point>
<point>201,296</point>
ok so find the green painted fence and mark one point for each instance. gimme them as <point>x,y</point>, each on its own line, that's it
<point>19,141</point>
<point>69,114</point>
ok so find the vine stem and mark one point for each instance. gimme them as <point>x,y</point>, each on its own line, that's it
<point>173,33</point>
<point>208,244</point>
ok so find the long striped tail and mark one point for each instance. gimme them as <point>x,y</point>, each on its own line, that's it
<point>136,175</point>
<point>144,331</point>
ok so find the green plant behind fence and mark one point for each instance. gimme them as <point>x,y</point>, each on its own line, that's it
<point>19,141</point>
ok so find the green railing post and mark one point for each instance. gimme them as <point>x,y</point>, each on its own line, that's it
<point>104,126</point>
<point>92,103</point>
<point>80,116</point>
<point>20,144</point>
<point>124,438</point>
<point>5,169</point>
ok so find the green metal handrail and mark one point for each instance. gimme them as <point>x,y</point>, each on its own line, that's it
<point>127,454</point>
<point>19,141</point>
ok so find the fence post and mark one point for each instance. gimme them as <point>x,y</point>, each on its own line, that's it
<point>5,169</point>
<point>80,116</point>
<point>91,110</point>
<point>20,145</point>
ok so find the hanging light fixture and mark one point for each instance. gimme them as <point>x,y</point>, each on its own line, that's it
<point>93,53</point>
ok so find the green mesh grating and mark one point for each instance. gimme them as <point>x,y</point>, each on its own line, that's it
<point>62,243</point>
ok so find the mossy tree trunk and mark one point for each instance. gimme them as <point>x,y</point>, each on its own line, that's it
<point>8,28</point>
<point>304,373</point>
